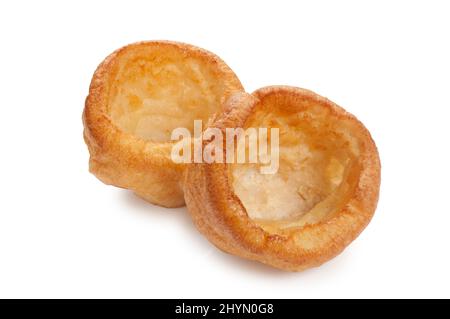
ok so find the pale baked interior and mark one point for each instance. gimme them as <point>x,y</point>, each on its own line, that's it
<point>157,89</point>
<point>317,168</point>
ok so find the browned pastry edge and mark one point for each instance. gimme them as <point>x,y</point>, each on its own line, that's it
<point>124,160</point>
<point>219,214</point>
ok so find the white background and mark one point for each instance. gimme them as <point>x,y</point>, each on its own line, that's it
<point>65,234</point>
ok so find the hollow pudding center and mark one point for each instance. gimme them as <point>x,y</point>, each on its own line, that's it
<point>156,90</point>
<point>316,163</point>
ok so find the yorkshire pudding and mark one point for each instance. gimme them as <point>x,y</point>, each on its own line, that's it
<point>137,96</point>
<point>323,195</point>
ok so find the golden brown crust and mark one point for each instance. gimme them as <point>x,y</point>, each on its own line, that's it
<point>124,159</point>
<point>221,216</point>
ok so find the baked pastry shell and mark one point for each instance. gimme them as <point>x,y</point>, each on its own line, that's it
<point>220,215</point>
<point>125,160</point>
